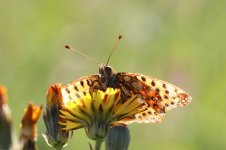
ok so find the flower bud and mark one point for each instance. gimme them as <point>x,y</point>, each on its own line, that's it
<point>28,130</point>
<point>5,121</point>
<point>54,137</point>
<point>118,138</point>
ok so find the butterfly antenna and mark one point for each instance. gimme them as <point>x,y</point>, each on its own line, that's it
<point>90,58</point>
<point>116,45</point>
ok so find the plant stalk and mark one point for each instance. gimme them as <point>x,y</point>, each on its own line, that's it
<point>98,143</point>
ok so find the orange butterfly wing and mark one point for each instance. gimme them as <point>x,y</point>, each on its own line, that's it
<point>159,95</point>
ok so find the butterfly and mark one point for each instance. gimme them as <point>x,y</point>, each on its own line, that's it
<point>158,96</point>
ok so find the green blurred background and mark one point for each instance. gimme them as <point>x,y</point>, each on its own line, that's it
<point>182,42</point>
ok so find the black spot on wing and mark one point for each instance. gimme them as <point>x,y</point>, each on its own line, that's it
<point>164,85</point>
<point>75,87</point>
<point>82,83</point>
<point>143,79</point>
<point>67,90</point>
<point>165,96</point>
<point>157,90</point>
<point>89,83</point>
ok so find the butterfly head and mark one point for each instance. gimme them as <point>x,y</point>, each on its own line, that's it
<point>105,70</point>
<point>107,76</point>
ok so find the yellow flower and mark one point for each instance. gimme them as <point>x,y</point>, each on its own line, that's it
<point>97,111</point>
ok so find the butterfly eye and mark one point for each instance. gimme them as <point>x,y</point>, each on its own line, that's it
<point>108,70</point>
<point>101,70</point>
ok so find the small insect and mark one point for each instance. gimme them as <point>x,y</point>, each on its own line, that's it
<point>158,96</point>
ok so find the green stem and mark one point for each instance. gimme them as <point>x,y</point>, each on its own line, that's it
<point>58,147</point>
<point>98,143</point>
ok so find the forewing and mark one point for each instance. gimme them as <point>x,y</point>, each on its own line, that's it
<point>80,87</point>
<point>159,95</point>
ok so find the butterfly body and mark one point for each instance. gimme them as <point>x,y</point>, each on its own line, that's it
<point>158,96</point>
